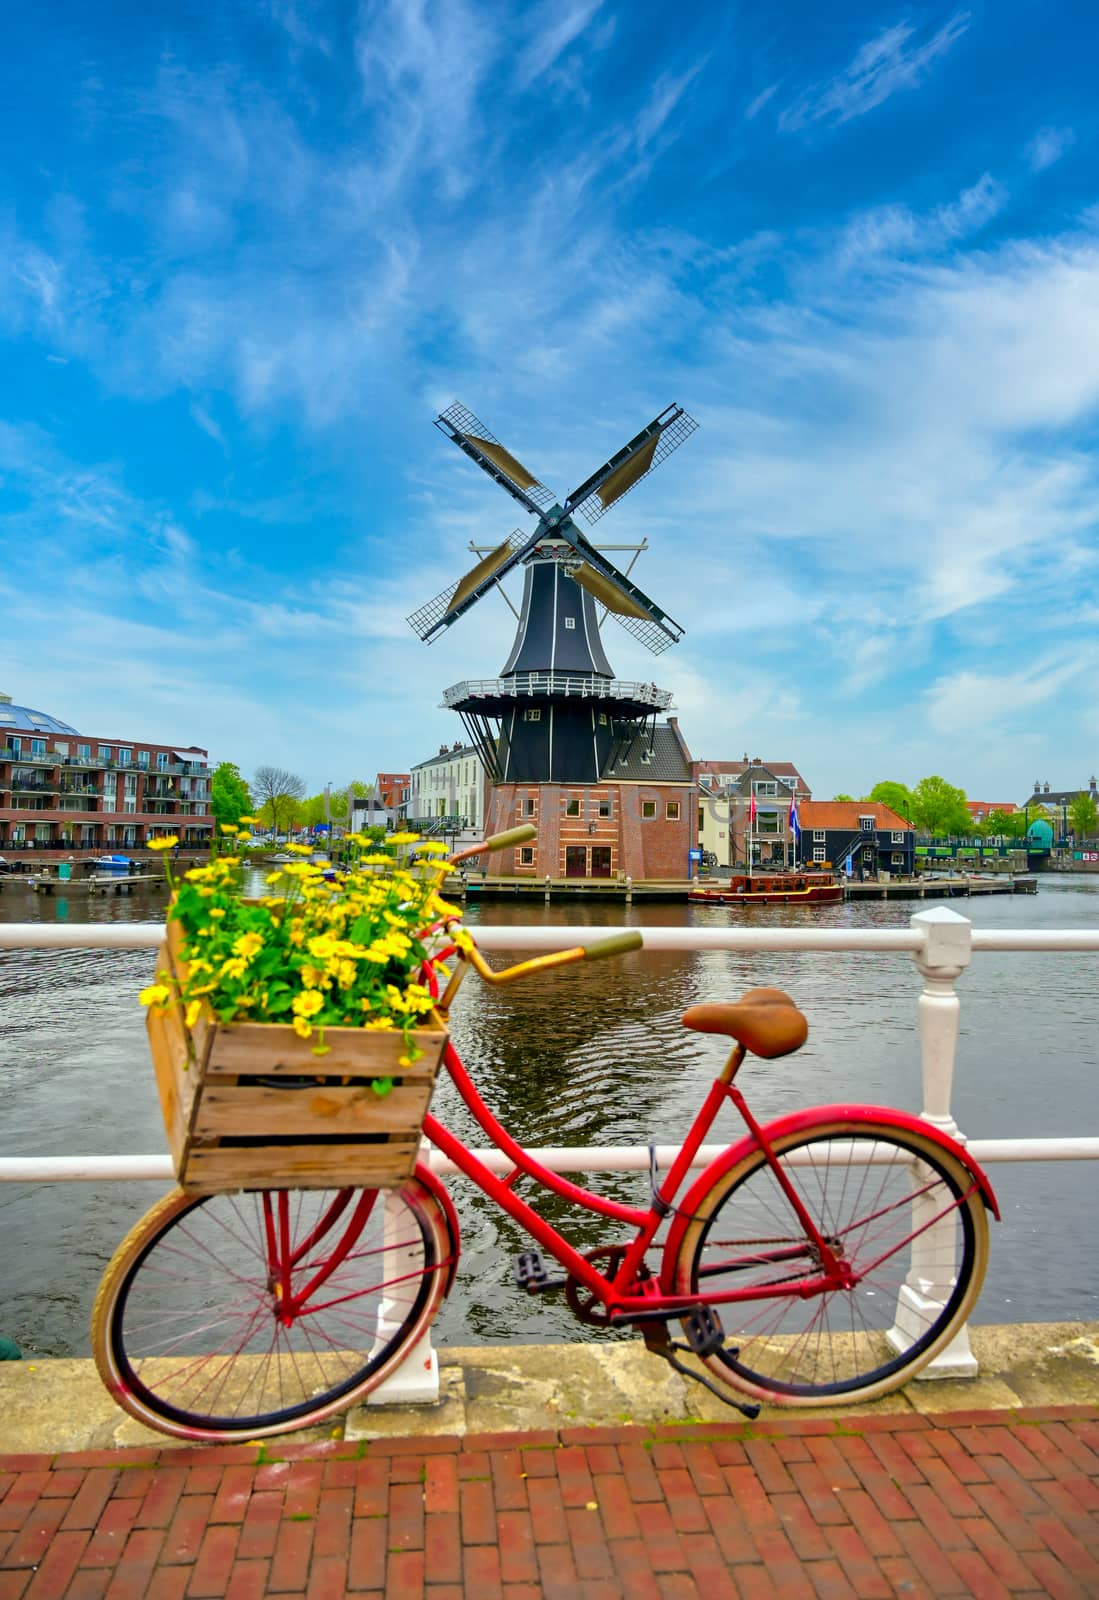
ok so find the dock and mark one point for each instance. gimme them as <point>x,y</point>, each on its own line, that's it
<point>670,891</point>
<point>90,886</point>
<point>939,888</point>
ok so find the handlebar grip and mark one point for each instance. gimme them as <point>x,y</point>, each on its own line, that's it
<point>617,945</point>
<point>504,841</point>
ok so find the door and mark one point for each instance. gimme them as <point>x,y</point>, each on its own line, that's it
<point>600,860</point>
<point>576,861</point>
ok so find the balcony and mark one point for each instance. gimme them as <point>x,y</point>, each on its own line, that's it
<point>68,787</point>
<point>21,784</point>
<point>44,758</point>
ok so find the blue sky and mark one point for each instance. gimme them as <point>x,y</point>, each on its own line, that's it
<point>248,251</point>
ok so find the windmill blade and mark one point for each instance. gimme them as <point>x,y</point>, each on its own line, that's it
<point>628,604</point>
<point>447,606</point>
<point>470,435</point>
<point>633,462</point>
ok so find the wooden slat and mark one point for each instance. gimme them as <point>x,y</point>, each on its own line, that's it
<point>270,1049</point>
<point>320,1110</point>
<point>217,1168</point>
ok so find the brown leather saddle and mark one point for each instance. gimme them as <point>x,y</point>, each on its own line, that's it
<point>764,1021</point>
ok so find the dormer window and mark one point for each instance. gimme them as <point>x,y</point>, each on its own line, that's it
<point>866,824</point>
<point>570,622</point>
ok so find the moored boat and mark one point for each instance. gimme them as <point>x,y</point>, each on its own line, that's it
<point>770,888</point>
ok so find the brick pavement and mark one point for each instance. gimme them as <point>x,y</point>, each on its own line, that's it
<point>988,1504</point>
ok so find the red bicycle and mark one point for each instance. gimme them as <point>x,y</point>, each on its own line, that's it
<point>824,1257</point>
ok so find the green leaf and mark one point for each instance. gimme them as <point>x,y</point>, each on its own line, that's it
<point>382,1087</point>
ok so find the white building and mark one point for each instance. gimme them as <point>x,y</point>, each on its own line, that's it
<point>448,787</point>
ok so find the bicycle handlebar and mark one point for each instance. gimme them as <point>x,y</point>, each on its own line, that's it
<point>617,945</point>
<point>498,841</point>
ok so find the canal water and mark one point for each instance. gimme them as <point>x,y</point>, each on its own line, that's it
<point>593,1055</point>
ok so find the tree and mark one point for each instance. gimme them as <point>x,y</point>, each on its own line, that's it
<point>278,792</point>
<point>1005,824</point>
<point>897,796</point>
<point>229,797</point>
<point>938,807</point>
<point>843,797</point>
<point>1083,813</point>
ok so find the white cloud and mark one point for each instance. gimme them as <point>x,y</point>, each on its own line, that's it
<point>879,69</point>
<point>756,105</point>
<point>1048,146</point>
<point>554,28</point>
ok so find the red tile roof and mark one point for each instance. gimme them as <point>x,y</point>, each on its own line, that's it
<point>846,814</point>
<point>981,808</point>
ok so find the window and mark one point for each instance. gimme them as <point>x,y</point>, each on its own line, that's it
<point>604,808</point>
<point>866,824</point>
<point>570,622</point>
<point>161,760</point>
<point>105,752</point>
<point>84,752</point>
<point>897,858</point>
<point>530,806</point>
<point>896,838</point>
<point>125,757</point>
<point>572,808</point>
<point>129,803</point>
<point>143,758</point>
<point>818,852</point>
<point>818,835</point>
<point>38,747</point>
<point>765,786</point>
<point>671,811</point>
<point>533,715</point>
<point>648,808</point>
<point>526,856</point>
<point>602,719</point>
<point>129,783</point>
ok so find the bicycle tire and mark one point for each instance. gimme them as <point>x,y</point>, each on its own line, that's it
<point>185,1331</point>
<point>784,1349</point>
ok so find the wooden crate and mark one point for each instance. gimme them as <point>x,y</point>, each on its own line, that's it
<point>248,1106</point>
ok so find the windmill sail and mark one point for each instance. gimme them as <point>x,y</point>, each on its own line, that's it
<point>626,603</point>
<point>469,433</point>
<point>451,602</point>
<point>633,462</point>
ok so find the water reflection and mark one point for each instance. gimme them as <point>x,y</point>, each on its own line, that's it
<point>590,1055</point>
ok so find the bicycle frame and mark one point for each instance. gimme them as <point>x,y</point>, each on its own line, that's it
<point>624,1293</point>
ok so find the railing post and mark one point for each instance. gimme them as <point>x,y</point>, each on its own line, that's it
<point>946,952</point>
<point>416,1380</point>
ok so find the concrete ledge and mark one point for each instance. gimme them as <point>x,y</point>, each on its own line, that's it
<point>52,1406</point>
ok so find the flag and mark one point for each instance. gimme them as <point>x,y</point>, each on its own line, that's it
<point>752,811</point>
<point>795,825</point>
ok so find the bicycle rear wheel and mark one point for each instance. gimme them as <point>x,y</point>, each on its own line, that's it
<point>906,1216</point>
<point>188,1328</point>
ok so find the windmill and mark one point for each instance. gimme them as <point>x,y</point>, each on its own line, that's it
<point>557,713</point>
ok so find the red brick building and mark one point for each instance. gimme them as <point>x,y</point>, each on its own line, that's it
<point>66,793</point>
<point>390,787</point>
<point>637,822</point>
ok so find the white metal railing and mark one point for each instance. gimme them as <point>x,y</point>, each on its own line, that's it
<point>940,940</point>
<point>584,686</point>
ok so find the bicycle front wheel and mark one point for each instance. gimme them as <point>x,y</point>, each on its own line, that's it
<point>900,1212</point>
<point>191,1332</point>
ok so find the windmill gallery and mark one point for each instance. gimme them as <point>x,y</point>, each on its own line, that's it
<point>563,743</point>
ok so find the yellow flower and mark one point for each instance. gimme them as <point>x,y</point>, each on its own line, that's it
<point>301,1028</point>
<point>301,849</point>
<point>157,994</point>
<point>194,1011</point>
<point>296,934</point>
<point>347,974</point>
<point>308,1004</point>
<point>312,977</point>
<point>169,842</point>
<point>217,911</point>
<point>228,827</point>
<point>250,820</point>
<point>402,838</point>
<point>236,967</point>
<point>321,946</point>
<point>248,945</point>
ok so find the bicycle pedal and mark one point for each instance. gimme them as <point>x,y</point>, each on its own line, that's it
<point>531,1274</point>
<point>704,1332</point>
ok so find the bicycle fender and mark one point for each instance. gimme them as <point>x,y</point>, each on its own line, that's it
<point>438,1192</point>
<point>803,1122</point>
